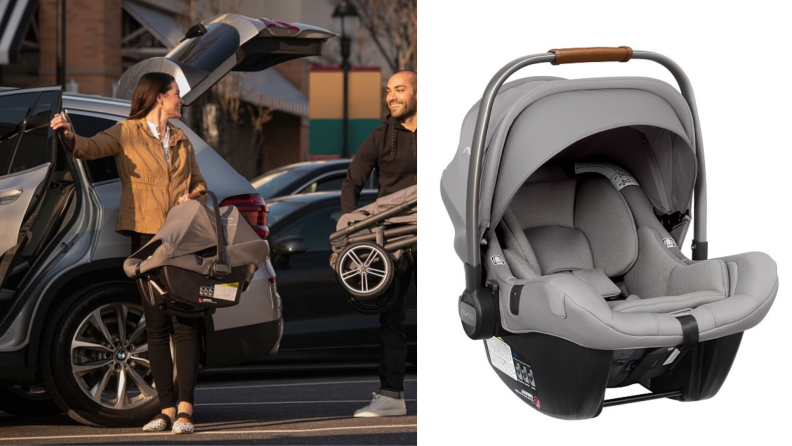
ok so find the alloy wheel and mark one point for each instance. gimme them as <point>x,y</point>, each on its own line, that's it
<point>109,357</point>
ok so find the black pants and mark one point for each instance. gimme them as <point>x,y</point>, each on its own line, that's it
<point>159,328</point>
<point>393,340</point>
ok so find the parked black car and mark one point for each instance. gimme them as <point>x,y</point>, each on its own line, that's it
<point>303,178</point>
<point>319,325</point>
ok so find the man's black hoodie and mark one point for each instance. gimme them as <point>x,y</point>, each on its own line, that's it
<point>393,151</point>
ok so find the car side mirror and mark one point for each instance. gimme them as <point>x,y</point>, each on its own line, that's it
<point>283,249</point>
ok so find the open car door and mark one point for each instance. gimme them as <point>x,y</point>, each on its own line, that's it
<point>27,153</point>
<point>224,43</point>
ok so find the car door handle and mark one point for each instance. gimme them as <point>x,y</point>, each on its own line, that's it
<point>8,196</point>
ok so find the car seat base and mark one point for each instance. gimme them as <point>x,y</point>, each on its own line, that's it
<point>565,380</point>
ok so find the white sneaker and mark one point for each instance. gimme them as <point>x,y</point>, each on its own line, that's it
<point>382,406</point>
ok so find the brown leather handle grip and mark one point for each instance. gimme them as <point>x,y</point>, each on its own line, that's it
<point>603,54</point>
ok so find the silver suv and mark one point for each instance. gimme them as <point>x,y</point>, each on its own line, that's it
<point>67,312</point>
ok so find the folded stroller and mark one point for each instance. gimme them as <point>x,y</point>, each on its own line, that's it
<point>200,260</point>
<point>570,199</point>
<point>371,246</point>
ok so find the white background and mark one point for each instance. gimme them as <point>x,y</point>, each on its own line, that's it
<point>737,58</point>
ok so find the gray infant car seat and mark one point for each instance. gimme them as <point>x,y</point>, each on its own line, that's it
<point>569,210</point>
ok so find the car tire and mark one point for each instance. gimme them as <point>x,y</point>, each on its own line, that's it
<point>72,344</point>
<point>28,400</point>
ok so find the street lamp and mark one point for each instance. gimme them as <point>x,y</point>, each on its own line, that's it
<point>347,15</point>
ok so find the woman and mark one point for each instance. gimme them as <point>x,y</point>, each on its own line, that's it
<point>158,170</point>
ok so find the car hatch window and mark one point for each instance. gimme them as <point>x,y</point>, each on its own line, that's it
<point>208,51</point>
<point>101,169</point>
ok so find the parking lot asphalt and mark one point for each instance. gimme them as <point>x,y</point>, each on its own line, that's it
<point>294,407</point>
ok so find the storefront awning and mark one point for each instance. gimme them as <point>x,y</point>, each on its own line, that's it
<point>14,20</point>
<point>271,89</point>
<point>162,26</point>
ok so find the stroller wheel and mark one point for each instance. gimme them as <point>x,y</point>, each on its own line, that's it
<point>376,305</point>
<point>365,270</point>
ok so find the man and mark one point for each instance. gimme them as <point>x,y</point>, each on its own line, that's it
<point>391,149</point>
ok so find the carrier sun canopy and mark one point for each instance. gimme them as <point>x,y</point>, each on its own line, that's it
<point>642,125</point>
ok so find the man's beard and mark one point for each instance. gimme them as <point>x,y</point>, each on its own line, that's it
<point>409,110</point>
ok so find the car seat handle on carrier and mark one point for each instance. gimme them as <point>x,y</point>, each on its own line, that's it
<point>220,268</point>
<point>567,56</point>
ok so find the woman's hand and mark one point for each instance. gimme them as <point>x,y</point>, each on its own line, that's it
<point>184,198</point>
<point>64,129</point>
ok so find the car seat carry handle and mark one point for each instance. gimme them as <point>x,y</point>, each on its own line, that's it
<point>220,268</point>
<point>599,54</point>
<point>556,57</point>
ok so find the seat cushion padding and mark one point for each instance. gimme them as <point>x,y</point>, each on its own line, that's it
<point>667,304</point>
<point>657,272</point>
<point>547,203</point>
<point>602,214</point>
<point>560,249</point>
<point>573,223</point>
<point>583,317</point>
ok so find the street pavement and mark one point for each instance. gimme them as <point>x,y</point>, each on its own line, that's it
<point>239,407</point>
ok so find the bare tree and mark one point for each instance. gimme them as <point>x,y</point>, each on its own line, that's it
<point>259,117</point>
<point>393,26</point>
<point>229,115</point>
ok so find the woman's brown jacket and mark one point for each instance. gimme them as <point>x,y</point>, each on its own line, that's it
<point>149,189</point>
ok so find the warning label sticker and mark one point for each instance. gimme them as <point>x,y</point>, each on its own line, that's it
<point>226,291</point>
<point>501,357</point>
<point>524,373</point>
<point>617,176</point>
<point>507,361</point>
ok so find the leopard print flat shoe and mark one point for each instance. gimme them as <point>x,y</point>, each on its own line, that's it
<point>181,427</point>
<point>160,423</point>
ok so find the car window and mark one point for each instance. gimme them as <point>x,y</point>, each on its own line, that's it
<point>36,143</point>
<point>272,183</point>
<point>315,228</point>
<point>325,184</point>
<point>280,209</point>
<point>14,108</point>
<point>101,169</point>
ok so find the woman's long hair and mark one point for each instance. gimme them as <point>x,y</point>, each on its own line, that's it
<point>145,96</point>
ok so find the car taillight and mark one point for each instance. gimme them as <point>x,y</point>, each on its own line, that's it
<point>278,24</point>
<point>253,209</point>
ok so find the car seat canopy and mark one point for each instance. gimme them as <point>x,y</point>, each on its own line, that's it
<point>190,231</point>
<point>643,125</point>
